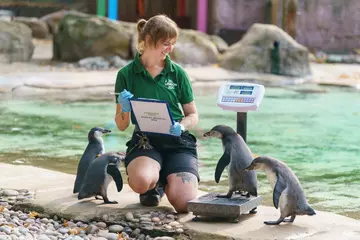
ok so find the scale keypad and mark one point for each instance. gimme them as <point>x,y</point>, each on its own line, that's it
<point>238,99</point>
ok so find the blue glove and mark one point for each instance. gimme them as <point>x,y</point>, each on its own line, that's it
<point>176,129</point>
<point>123,99</point>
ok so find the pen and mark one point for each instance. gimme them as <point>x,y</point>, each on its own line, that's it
<point>114,93</point>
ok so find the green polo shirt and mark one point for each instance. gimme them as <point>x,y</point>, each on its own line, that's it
<point>171,85</point>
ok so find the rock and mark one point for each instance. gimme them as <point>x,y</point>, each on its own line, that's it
<point>10,192</point>
<point>253,52</point>
<point>38,27</point>
<point>16,41</point>
<point>220,43</point>
<point>91,229</point>
<point>194,47</point>
<point>53,19</point>
<point>129,216</point>
<point>81,36</point>
<point>94,63</point>
<point>117,62</point>
<point>111,236</point>
<point>116,228</point>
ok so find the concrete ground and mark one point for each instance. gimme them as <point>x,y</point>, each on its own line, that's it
<point>53,192</point>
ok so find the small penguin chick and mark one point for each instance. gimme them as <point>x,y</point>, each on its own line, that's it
<point>93,150</point>
<point>100,173</point>
<point>288,194</point>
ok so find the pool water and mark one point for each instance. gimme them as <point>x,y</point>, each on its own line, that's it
<point>316,134</point>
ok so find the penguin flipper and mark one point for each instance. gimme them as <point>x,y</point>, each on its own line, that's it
<point>278,189</point>
<point>114,172</point>
<point>222,163</point>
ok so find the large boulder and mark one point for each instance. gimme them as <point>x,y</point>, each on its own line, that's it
<point>82,36</point>
<point>253,52</point>
<point>39,28</point>
<point>192,47</point>
<point>16,41</point>
<point>53,19</point>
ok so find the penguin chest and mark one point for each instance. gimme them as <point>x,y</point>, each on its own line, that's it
<point>107,180</point>
<point>272,178</point>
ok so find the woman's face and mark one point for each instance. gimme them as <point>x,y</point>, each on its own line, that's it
<point>164,47</point>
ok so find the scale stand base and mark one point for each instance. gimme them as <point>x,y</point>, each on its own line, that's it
<point>231,208</point>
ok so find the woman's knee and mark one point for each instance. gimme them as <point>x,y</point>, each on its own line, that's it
<point>143,174</point>
<point>179,193</point>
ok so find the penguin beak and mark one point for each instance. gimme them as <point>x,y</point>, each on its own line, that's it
<point>207,134</point>
<point>249,168</point>
<point>213,134</point>
<point>105,131</point>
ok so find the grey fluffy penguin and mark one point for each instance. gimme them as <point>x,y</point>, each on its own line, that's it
<point>288,194</point>
<point>94,149</point>
<point>99,174</point>
<point>236,157</point>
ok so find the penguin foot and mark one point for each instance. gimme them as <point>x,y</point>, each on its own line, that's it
<point>98,198</point>
<point>274,222</point>
<point>110,202</point>
<point>253,211</point>
<point>228,195</point>
<point>291,219</point>
<point>223,196</point>
<point>107,201</point>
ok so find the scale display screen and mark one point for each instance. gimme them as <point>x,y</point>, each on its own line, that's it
<point>239,87</point>
<point>246,92</point>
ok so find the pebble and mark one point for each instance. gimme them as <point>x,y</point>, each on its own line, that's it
<point>18,225</point>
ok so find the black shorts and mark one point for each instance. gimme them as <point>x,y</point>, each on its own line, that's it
<point>174,154</point>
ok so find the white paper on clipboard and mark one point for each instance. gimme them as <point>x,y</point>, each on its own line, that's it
<point>152,115</point>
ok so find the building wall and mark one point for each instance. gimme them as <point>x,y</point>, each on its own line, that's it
<point>327,25</point>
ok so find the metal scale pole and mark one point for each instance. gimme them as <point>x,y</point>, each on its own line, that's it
<point>241,122</point>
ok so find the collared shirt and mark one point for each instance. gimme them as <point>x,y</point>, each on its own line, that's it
<point>172,85</point>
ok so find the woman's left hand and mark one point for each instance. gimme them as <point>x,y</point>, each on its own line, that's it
<point>176,129</point>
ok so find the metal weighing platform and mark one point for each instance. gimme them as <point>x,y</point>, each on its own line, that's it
<point>210,205</point>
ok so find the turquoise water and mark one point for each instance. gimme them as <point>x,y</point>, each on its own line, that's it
<point>317,135</point>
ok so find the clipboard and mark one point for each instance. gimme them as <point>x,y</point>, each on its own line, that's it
<point>152,115</point>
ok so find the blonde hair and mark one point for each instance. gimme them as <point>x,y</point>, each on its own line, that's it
<point>158,28</point>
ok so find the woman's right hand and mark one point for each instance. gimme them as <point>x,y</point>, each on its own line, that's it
<point>123,99</point>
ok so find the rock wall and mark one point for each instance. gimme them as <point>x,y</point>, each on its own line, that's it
<point>327,25</point>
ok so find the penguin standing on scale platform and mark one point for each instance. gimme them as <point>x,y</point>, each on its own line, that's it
<point>99,174</point>
<point>94,149</point>
<point>237,156</point>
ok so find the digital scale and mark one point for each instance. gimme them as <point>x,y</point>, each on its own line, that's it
<point>238,97</point>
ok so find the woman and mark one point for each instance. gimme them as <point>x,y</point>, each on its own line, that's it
<point>171,161</point>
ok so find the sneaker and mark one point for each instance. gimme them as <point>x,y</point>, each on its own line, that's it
<point>152,197</point>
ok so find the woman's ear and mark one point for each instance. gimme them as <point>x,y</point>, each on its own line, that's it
<point>147,40</point>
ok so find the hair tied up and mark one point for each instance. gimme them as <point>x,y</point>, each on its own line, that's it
<point>141,24</point>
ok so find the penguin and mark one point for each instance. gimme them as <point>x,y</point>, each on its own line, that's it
<point>94,149</point>
<point>237,156</point>
<point>287,191</point>
<point>99,174</point>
